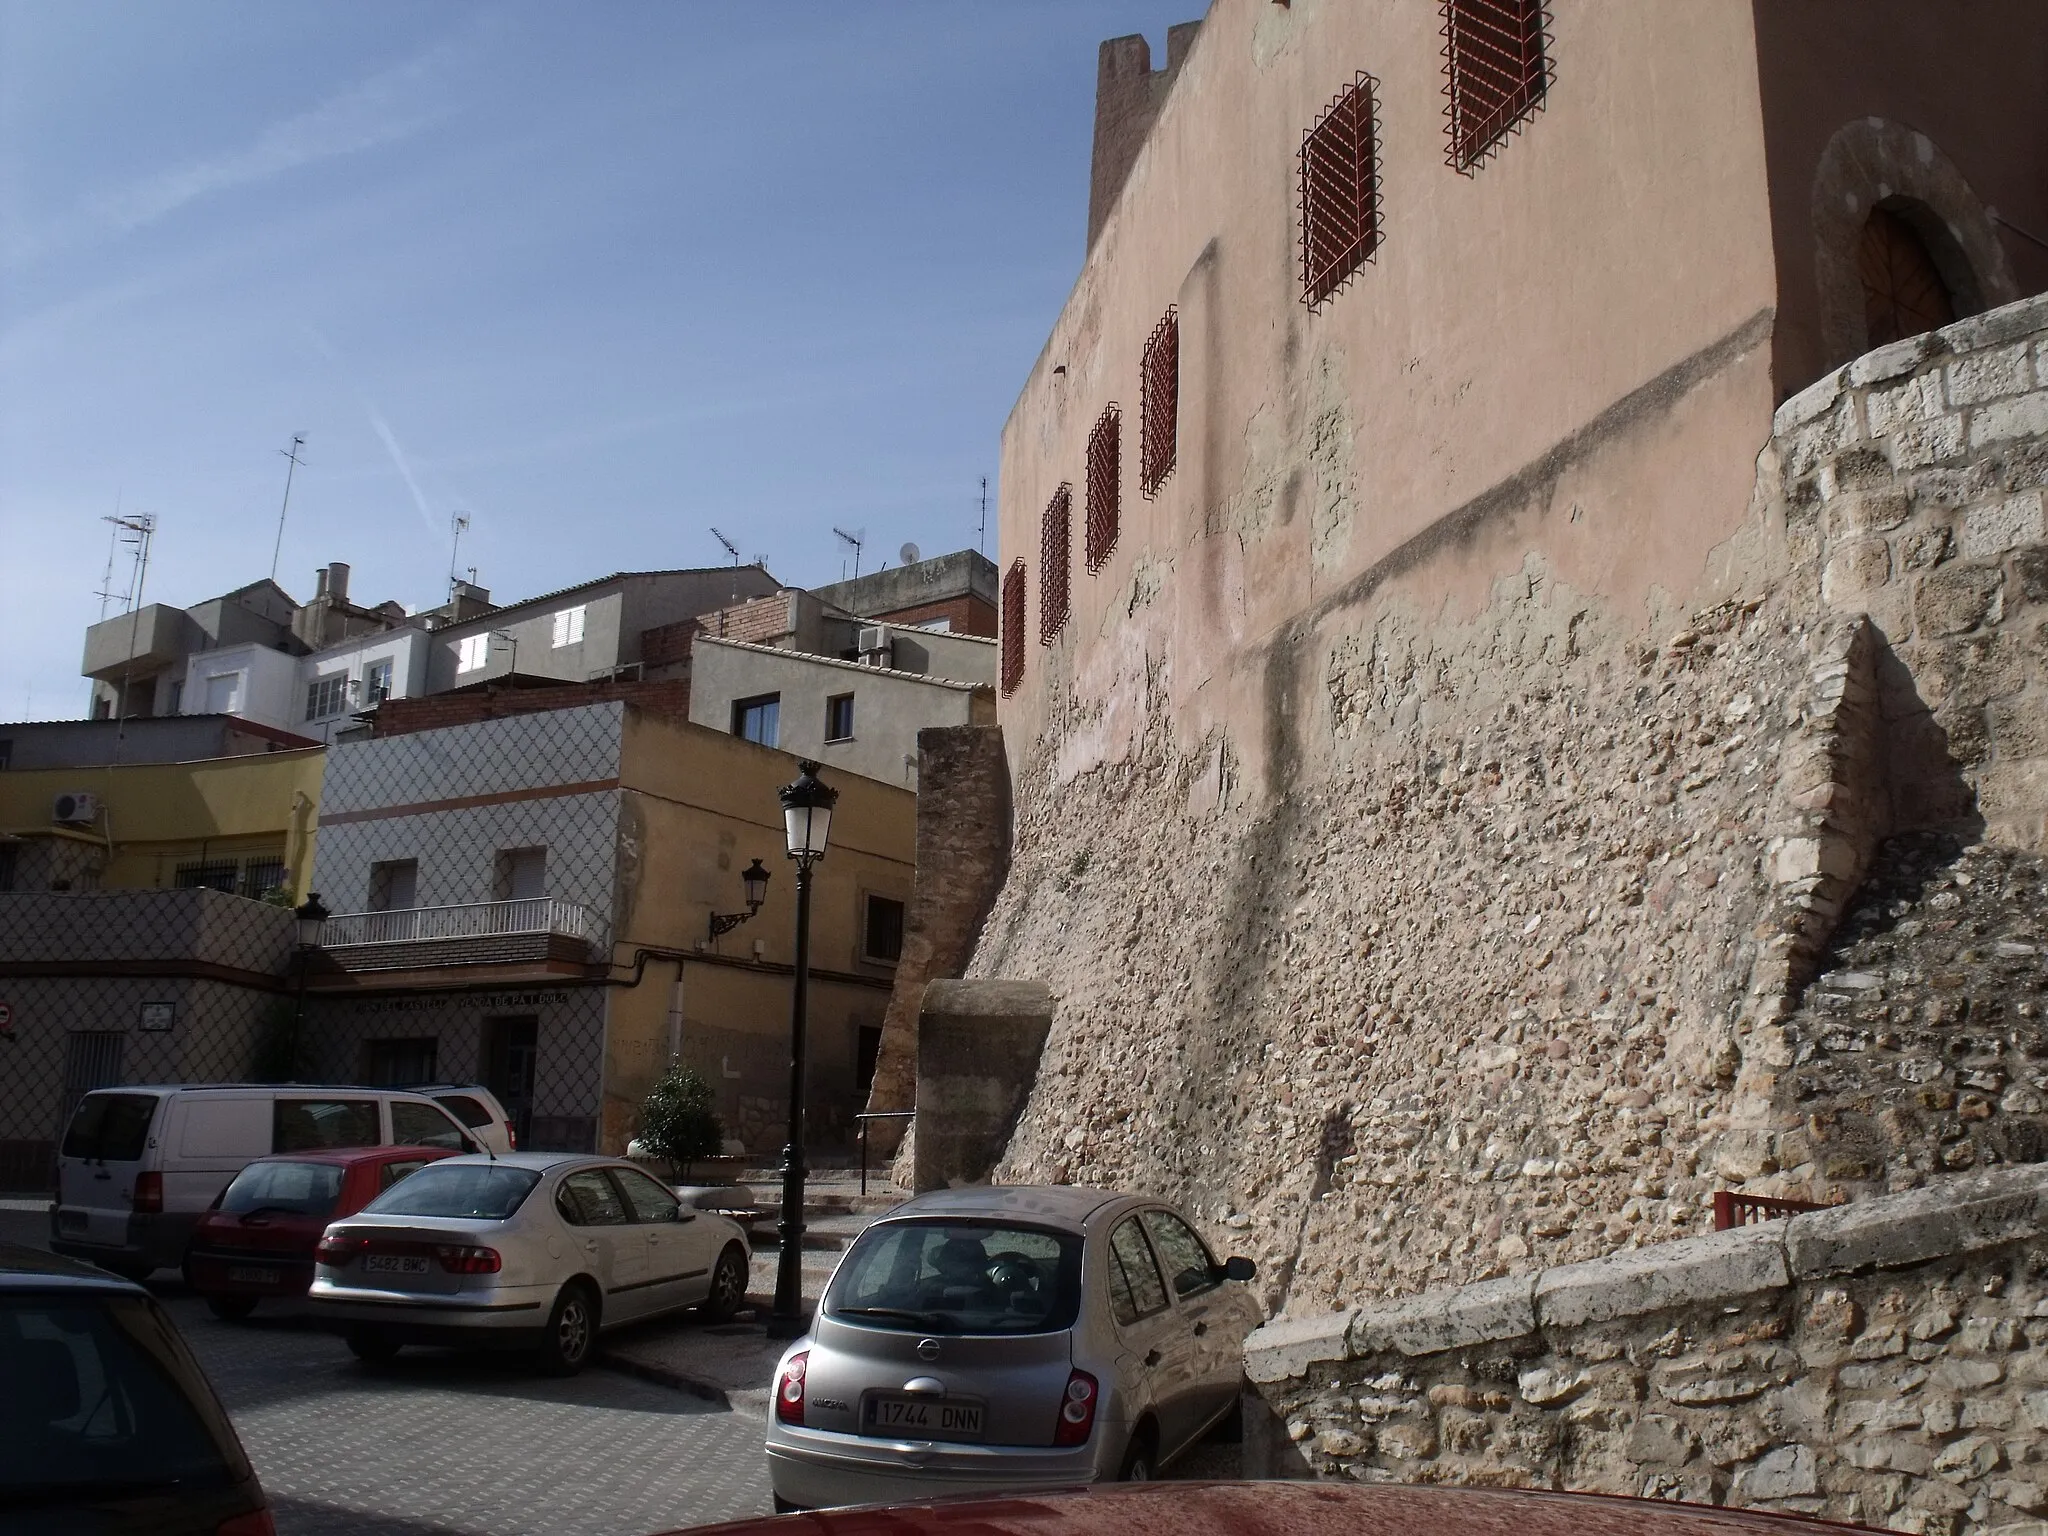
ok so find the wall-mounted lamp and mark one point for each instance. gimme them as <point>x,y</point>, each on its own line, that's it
<point>755,879</point>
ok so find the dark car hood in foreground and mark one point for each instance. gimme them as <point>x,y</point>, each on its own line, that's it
<point>1284,1509</point>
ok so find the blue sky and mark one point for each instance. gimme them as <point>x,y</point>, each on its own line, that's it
<point>601,276</point>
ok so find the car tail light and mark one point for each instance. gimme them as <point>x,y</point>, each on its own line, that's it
<point>789,1389</point>
<point>336,1249</point>
<point>149,1193</point>
<point>511,1136</point>
<point>1077,1411</point>
<point>458,1259</point>
<point>255,1523</point>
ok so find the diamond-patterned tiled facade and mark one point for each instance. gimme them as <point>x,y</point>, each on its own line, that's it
<point>205,975</point>
<point>454,803</point>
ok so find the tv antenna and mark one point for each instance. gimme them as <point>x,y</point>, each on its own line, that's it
<point>292,455</point>
<point>856,540</point>
<point>136,532</point>
<point>981,533</point>
<point>730,547</point>
<point>458,524</point>
<point>909,554</point>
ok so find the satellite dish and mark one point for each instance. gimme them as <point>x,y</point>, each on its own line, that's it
<point>908,554</point>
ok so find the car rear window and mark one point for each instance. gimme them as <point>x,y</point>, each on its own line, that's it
<point>110,1127</point>
<point>484,1191</point>
<point>959,1277</point>
<point>102,1399</point>
<point>464,1108</point>
<point>297,1189</point>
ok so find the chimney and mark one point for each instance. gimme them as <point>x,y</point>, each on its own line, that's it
<point>337,581</point>
<point>319,583</point>
<point>1128,95</point>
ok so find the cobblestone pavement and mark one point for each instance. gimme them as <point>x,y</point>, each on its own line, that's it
<point>438,1441</point>
<point>442,1442</point>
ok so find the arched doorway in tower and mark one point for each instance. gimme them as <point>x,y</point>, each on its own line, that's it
<point>1904,293</point>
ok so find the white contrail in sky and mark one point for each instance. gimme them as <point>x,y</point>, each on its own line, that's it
<point>419,497</point>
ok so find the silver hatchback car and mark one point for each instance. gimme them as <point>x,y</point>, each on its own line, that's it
<point>1007,1339</point>
<point>536,1250</point>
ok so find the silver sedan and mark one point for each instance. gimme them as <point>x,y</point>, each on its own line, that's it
<point>533,1250</point>
<point>997,1339</point>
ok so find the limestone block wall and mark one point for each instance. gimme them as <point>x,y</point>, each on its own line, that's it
<point>1487,964</point>
<point>1884,1362</point>
<point>1912,490</point>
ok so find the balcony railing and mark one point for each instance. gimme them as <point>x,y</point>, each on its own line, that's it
<point>474,920</point>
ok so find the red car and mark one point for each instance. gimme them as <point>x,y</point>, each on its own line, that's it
<point>1283,1509</point>
<point>258,1239</point>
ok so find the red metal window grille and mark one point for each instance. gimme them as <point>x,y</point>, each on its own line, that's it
<point>1159,404</point>
<point>1105,466</point>
<point>1340,192</point>
<point>1496,72</point>
<point>1055,558</point>
<point>1013,627</point>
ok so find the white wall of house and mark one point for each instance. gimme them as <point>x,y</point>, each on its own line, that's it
<point>253,681</point>
<point>352,665</point>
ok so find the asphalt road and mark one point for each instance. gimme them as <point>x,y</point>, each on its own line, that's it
<point>441,1442</point>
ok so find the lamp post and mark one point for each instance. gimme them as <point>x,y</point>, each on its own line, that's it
<point>755,879</point>
<point>310,917</point>
<point>807,816</point>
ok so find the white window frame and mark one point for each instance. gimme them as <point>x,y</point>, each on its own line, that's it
<point>327,696</point>
<point>569,626</point>
<point>472,653</point>
<point>389,667</point>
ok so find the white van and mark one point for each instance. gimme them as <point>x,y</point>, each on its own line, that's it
<point>139,1166</point>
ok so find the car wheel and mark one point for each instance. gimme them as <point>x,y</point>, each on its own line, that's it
<point>572,1331</point>
<point>128,1270</point>
<point>231,1309</point>
<point>1141,1461</point>
<point>728,1284</point>
<point>372,1346</point>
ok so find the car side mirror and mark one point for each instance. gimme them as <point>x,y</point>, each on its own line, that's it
<point>1239,1269</point>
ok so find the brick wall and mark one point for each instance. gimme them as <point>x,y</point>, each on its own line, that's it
<point>669,697</point>
<point>967,615</point>
<point>963,835</point>
<point>760,621</point>
<point>668,644</point>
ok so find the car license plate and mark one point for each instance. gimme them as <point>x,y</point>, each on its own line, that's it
<point>249,1274</point>
<point>71,1221</point>
<point>393,1264</point>
<point>927,1418</point>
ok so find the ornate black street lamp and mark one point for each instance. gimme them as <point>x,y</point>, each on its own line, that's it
<point>755,879</point>
<point>309,917</point>
<point>807,815</point>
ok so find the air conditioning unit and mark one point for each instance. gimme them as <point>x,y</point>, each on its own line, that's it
<point>76,808</point>
<point>874,645</point>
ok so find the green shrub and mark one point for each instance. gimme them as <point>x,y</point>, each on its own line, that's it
<point>677,1122</point>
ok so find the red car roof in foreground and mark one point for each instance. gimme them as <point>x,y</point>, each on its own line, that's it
<point>351,1155</point>
<point>1285,1509</point>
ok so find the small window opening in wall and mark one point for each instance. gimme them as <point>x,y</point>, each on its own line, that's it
<point>1055,555</point>
<point>839,717</point>
<point>1159,404</point>
<point>1013,627</point>
<point>757,719</point>
<point>1497,71</point>
<point>1105,464</point>
<point>1903,291</point>
<point>882,933</point>
<point>1340,192</point>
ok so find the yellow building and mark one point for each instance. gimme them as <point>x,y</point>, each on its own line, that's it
<point>243,824</point>
<point>529,902</point>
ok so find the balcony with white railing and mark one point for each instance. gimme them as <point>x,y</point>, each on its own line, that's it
<point>478,932</point>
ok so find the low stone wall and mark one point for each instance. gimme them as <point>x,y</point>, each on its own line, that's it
<point>1883,1362</point>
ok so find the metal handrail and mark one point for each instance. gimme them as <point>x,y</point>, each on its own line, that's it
<point>861,1134</point>
<point>1736,1210</point>
<point>471,920</point>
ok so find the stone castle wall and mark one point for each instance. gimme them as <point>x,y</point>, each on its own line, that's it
<point>1494,971</point>
<point>1885,1362</point>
